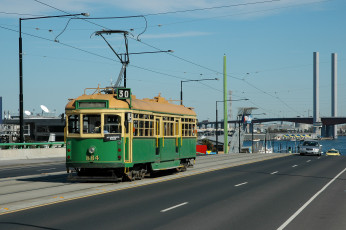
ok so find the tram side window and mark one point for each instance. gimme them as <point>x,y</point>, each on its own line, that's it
<point>143,125</point>
<point>91,123</point>
<point>188,127</point>
<point>112,124</point>
<point>168,123</point>
<point>73,124</point>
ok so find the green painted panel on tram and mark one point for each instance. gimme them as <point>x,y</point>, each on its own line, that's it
<point>104,151</point>
<point>168,150</point>
<point>144,150</point>
<point>188,149</point>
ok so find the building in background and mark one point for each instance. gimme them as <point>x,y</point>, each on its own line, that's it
<point>38,128</point>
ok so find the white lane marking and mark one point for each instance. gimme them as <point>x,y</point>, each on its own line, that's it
<point>308,202</point>
<point>240,184</point>
<point>308,160</point>
<point>318,158</point>
<point>45,169</point>
<point>274,172</point>
<point>294,166</point>
<point>176,206</point>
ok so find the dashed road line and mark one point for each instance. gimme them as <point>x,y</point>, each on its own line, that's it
<point>237,185</point>
<point>274,172</point>
<point>308,161</point>
<point>173,207</point>
<point>294,166</point>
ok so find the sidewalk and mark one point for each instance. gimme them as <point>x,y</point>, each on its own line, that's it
<point>15,163</point>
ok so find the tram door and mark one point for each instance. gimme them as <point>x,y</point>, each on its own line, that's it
<point>128,137</point>
<point>159,141</point>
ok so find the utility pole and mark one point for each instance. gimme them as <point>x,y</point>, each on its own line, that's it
<point>225,117</point>
<point>21,97</point>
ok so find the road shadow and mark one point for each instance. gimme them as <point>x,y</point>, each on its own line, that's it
<point>48,178</point>
<point>14,225</point>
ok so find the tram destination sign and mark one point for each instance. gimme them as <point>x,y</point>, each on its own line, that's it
<point>112,137</point>
<point>123,93</point>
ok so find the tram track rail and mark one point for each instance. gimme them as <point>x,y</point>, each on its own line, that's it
<point>23,192</point>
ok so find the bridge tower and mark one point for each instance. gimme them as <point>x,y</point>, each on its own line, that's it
<point>334,93</point>
<point>316,96</point>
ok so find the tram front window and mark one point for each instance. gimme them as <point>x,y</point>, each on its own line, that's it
<point>112,124</point>
<point>91,123</point>
<point>73,124</point>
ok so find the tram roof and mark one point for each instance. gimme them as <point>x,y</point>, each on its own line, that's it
<point>157,104</point>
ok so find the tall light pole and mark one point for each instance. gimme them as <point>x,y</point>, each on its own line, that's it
<point>181,86</point>
<point>21,109</point>
<point>217,123</point>
<point>239,118</point>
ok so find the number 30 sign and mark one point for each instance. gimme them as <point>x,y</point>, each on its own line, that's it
<point>124,93</point>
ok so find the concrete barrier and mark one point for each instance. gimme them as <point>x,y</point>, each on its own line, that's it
<point>18,154</point>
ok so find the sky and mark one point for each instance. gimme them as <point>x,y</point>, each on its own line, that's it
<point>268,44</point>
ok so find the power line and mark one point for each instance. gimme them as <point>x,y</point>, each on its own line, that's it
<point>212,8</point>
<point>181,11</point>
<point>276,97</point>
<point>95,54</point>
<point>131,38</point>
<point>67,13</point>
<point>243,13</point>
<point>63,44</point>
<point>143,68</point>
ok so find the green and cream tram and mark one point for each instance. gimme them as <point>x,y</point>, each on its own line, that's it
<point>112,135</point>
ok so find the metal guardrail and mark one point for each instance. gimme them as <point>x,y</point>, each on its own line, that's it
<point>32,145</point>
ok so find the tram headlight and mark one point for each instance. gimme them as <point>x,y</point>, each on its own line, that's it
<point>92,149</point>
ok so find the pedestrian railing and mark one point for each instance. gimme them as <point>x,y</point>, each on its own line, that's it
<point>32,145</point>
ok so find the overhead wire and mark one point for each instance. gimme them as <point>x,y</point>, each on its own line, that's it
<point>211,8</point>
<point>67,13</point>
<point>242,13</point>
<point>184,11</point>
<point>95,54</point>
<point>129,37</point>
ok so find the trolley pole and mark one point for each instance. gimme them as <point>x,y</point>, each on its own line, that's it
<point>225,120</point>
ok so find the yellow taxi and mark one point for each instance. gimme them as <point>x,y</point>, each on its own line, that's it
<point>333,152</point>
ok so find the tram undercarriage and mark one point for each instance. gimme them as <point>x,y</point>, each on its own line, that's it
<point>137,172</point>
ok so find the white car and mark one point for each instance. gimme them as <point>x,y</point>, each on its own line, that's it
<point>310,147</point>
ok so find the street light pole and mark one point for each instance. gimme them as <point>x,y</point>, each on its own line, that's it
<point>239,133</point>
<point>181,86</point>
<point>216,133</point>
<point>21,100</point>
<point>252,126</point>
<point>21,112</point>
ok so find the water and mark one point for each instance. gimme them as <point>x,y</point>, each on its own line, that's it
<point>339,144</point>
